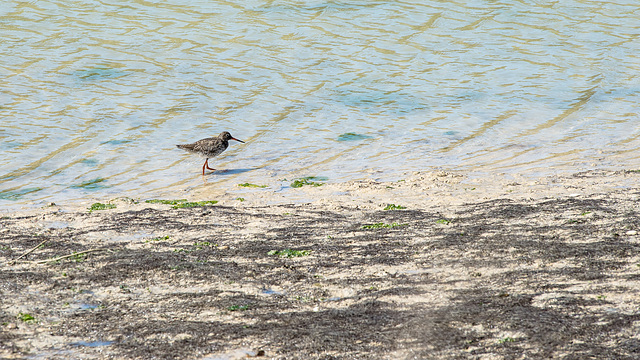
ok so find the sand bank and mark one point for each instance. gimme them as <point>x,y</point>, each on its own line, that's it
<point>486,267</point>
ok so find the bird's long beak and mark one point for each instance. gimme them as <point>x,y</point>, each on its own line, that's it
<point>237,140</point>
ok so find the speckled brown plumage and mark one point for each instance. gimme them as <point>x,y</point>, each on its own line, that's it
<point>209,147</point>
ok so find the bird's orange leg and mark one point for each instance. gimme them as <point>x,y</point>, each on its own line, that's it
<point>206,165</point>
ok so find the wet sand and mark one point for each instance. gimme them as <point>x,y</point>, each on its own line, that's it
<point>480,268</point>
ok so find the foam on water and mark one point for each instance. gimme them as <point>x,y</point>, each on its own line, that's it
<point>95,96</point>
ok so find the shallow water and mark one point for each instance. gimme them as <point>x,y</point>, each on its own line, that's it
<point>95,96</point>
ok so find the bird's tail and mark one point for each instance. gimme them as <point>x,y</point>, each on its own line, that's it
<point>188,147</point>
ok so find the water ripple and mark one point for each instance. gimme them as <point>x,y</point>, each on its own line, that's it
<point>103,91</point>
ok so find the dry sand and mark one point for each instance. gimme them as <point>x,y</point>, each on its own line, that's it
<point>479,268</point>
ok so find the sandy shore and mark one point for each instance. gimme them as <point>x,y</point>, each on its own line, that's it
<point>481,268</point>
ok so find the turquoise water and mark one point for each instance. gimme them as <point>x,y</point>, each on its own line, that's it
<point>95,96</point>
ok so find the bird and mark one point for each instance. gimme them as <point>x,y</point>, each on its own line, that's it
<point>209,147</point>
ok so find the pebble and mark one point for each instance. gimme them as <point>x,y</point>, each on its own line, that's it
<point>632,232</point>
<point>182,337</point>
